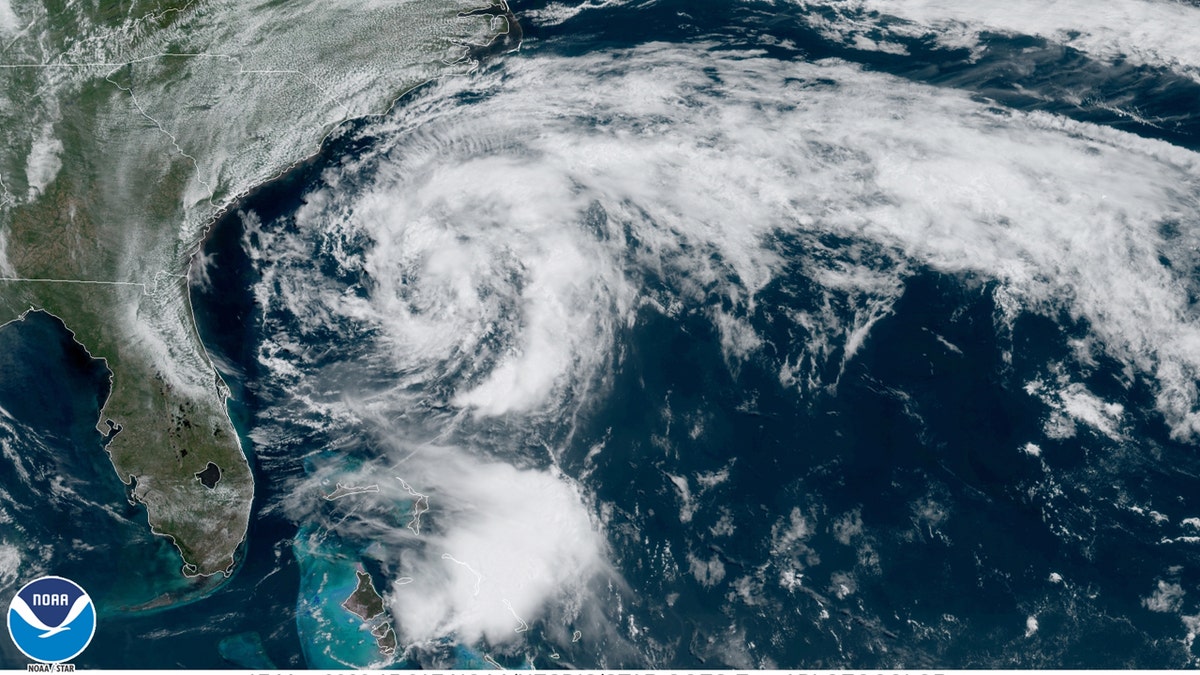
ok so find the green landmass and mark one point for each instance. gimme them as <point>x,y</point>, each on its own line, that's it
<point>365,601</point>
<point>169,429</point>
<point>125,128</point>
<point>385,639</point>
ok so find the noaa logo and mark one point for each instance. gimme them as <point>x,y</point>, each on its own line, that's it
<point>52,619</point>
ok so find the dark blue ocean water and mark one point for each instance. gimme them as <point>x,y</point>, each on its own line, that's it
<point>931,537</point>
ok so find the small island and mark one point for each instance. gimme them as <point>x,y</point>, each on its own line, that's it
<point>385,637</point>
<point>347,490</point>
<point>365,601</point>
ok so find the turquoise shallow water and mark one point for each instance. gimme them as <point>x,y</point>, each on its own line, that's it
<point>245,650</point>
<point>332,636</point>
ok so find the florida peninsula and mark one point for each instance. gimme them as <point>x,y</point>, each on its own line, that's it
<point>125,129</point>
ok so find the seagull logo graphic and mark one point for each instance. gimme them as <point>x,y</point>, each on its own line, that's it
<point>22,609</point>
<point>51,619</point>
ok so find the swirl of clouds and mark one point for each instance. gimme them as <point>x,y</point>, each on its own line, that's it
<point>487,257</point>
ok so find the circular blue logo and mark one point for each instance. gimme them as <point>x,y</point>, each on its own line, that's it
<point>52,619</point>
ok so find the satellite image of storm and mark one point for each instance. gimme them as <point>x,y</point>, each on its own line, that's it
<point>599,334</point>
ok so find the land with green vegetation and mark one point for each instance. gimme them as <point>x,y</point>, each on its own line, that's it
<point>366,603</point>
<point>385,638</point>
<point>125,127</point>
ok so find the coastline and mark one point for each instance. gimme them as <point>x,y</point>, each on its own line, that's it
<point>477,54</point>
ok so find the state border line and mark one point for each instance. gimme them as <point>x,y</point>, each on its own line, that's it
<point>145,289</point>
